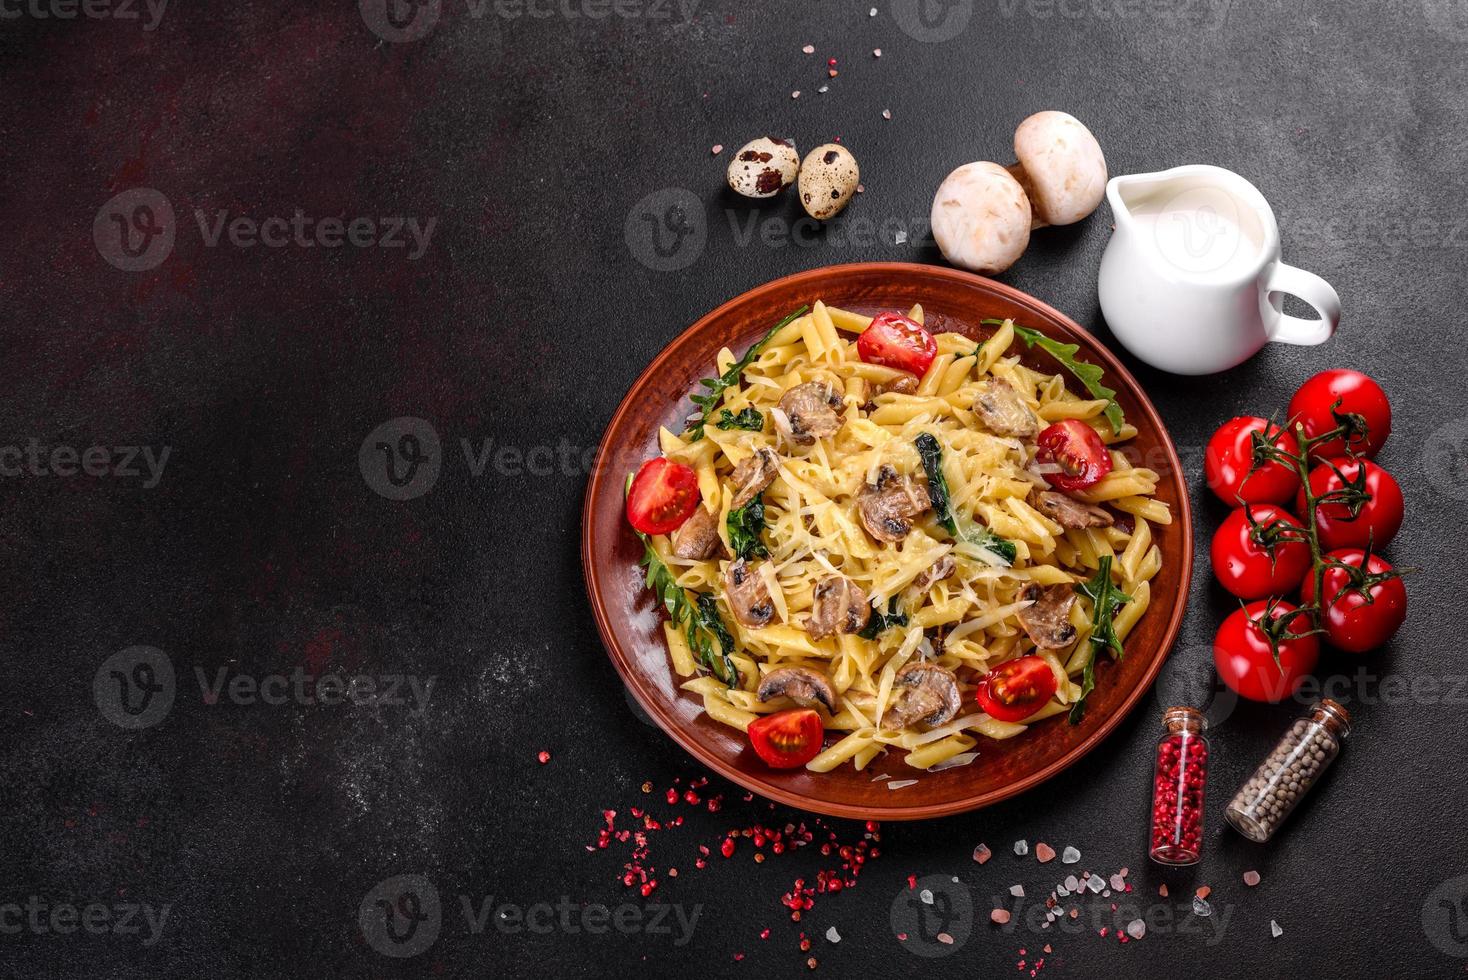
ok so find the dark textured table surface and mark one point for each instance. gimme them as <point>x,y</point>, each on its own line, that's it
<point>242,830</point>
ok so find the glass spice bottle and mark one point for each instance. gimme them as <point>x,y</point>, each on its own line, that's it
<point>1307,749</point>
<point>1177,787</point>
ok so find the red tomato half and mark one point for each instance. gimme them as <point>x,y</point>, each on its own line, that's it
<point>1366,605</point>
<point>1380,517</point>
<point>1362,402</point>
<point>1230,455</point>
<point>1015,690</point>
<point>663,496</point>
<point>1242,656</point>
<point>787,739</point>
<point>1243,561</point>
<point>896,341</point>
<point>1079,452</point>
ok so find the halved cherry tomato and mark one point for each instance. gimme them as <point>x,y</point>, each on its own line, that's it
<point>1380,516</point>
<point>896,341</point>
<point>1367,601</point>
<point>662,496</point>
<point>1015,690</point>
<point>787,739</point>
<point>1079,452</point>
<point>1244,661</point>
<point>1230,455</point>
<point>1244,561</point>
<point>1362,403</point>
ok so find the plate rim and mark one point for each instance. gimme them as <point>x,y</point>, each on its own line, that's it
<point>814,804</point>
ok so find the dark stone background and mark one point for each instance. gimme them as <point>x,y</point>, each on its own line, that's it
<point>530,141</point>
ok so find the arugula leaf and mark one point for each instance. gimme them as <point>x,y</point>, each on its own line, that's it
<point>745,526</point>
<point>749,418</point>
<point>880,621</point>
<point>1106,599</point>
<point>709,400</point>
<point>932,456</point>
<point>1089,374</point>
<point>979,536</point>
<point>699,618</point>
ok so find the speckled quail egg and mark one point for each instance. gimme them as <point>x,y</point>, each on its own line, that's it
<point>764,167</point>
<point>828,178</point>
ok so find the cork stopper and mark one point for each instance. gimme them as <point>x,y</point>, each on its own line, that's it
<point>1184,719</point>
<point>1333,716</point>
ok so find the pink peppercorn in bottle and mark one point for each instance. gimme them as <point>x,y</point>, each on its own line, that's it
<point>1177,788</point>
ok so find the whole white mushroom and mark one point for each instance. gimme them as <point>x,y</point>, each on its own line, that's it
<point>981,218</point>
<point>1061,167</point>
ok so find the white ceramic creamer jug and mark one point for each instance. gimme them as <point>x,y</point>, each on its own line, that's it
<point>1192,281</point>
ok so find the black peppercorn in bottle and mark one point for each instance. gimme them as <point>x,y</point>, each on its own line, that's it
<point>1307,749</point>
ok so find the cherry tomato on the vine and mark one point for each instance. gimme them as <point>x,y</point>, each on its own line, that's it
<point>896,341</point>
<point>1380,515</point>
<point>1230,457</point>
<point>1079,452</point>
<point>662,496</point>
<point>1017,689</point>
<point>1362,403</point>
<point>1245,661</point>
<point>787,739</point>
<point>1263,557</point>
<point>1366,601</point>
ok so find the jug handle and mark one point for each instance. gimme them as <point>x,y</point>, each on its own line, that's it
<point>1313,290</point>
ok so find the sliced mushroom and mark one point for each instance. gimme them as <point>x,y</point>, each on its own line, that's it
<point>1070,512</point>
<point>1003,411</point>
<point>907,384</point>
<point>1048,620</point>
<point>748,598</point>
<point>942,568</point>
<point>804,686</point>
<point>840,606</point>
<point>814,411</point>
<point>698,538</point>
<point>887,505</point>
<point>922,692</point>
<point>753,475</point>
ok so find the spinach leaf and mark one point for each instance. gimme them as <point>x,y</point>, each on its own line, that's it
<point>932,456</point>
<point>880,621</point>
<point>745,526</point>
<point>709,400</point>
<point>749,418</point>
<point>1106,599</point>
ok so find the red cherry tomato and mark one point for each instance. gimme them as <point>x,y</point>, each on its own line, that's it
<point>1246,565</point>
<point>896,341</point>
<point>1367,604</point>
<point>1380,516</point>
<point>1362,402</point>
<point>1015,690</point>
<point>1079,452</point>
<point>1242,656</point>
<point>1230,454</point>
<point>787,739</point>
<point>662,496</point>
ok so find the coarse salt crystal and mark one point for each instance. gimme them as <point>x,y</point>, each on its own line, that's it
<point>900,238</point>
<point>1136,928</point>
<point>944,938</point>
<point>1162,890</point>
<point>876,52</point>
<point>1203,891</point>
<point>1274,929</point>
<point>982,853</point>
<point>832,935</point>
<point>1000,916</point>
<point>795,94</point>
<point>809,49</point>
<point>1018,891</point>
<point>1117,882</point>
<point>886,113</point>
<point>824,89</point>
<point>926,896</point>
<point>1095,884</point>
<point>1044,852</point>
<point>1202,908</point>
<point>716,149</point>
<point>1061,891</point>
<point>1251,878</point>
<point>1070,856</point>
<point>1071,883</point>
<point>872,12</point>
<point>1021,847</point>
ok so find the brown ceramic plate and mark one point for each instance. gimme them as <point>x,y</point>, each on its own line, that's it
<point>629,618</point>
